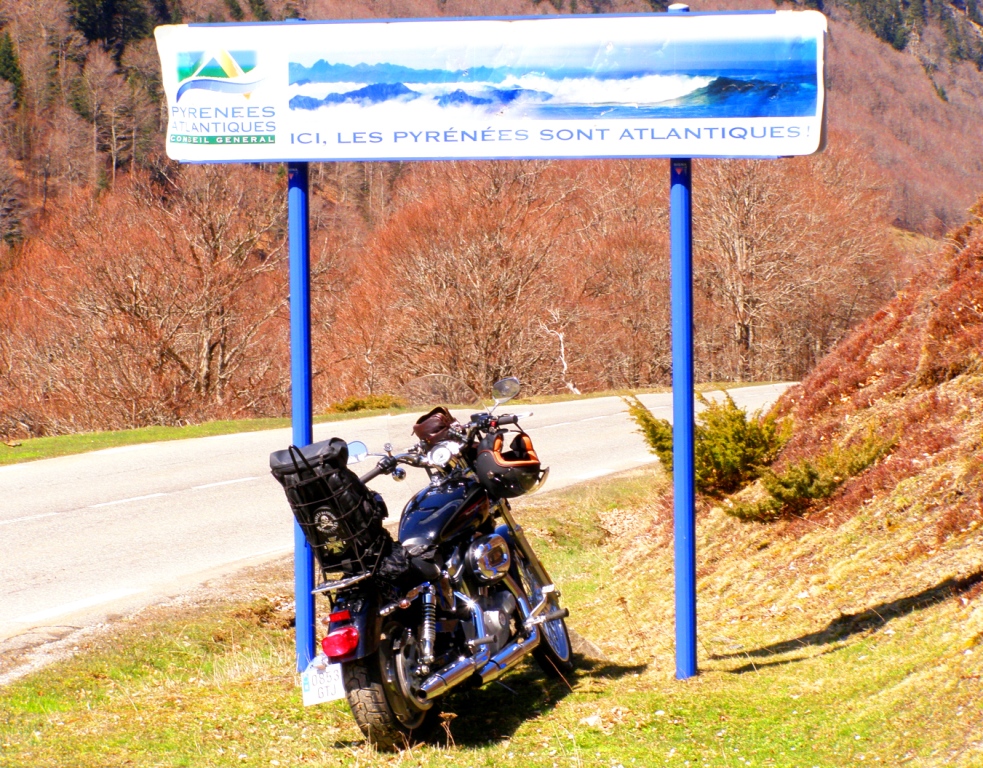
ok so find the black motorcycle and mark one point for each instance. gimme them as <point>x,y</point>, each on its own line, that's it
<point>459,596</point>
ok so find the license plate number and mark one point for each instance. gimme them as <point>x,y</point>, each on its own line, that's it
<point>321,682</point>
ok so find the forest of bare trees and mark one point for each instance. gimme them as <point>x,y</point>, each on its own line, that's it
<point>163,300</point>
<point>135,291</point>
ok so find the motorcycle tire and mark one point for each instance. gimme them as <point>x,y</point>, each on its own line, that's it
<point>389,715</point>
<point>554,653</point>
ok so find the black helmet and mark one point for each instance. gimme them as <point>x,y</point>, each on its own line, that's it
<point>512,473</point>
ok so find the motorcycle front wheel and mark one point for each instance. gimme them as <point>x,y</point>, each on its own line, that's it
<point>380,693</point>
<point>553,654</point>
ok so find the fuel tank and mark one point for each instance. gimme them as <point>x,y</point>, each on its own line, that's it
<point>439,512</point>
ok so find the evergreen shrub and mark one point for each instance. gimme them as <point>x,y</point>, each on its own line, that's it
<point>795,489</point>
<point>657,432</point>
<point>731,448</point>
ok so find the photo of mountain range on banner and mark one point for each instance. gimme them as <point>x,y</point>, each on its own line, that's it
<point>780,81</point>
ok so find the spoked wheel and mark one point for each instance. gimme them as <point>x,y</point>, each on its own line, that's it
<point>381,691</point>
<point>553,653</point>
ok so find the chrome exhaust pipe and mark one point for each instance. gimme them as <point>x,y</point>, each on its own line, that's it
<point>459,671</point>
<point>508,657</point>
<point>454,673</point>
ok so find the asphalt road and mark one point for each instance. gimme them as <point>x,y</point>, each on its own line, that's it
<point>87,536</point>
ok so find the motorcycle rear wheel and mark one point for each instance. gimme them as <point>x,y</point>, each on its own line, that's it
<point>378,691</point>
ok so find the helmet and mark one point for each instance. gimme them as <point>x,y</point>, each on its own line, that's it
<point>512,473</point>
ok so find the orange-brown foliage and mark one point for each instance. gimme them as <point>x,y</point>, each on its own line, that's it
<point>163,300</point>
<point>139,297</point>
<point>912,374</point>
<point>160,303</point>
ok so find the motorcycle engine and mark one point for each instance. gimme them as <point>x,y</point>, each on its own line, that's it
<point>497,609</point>
<point>488,559</point>
<point>486,562</point>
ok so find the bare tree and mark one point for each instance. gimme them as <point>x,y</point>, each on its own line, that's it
<point>11,203</point>
<point>787,252</point>
<point>60,155</point>
<point>104,97</point>
<point>555,316</point>
<point>165,311</point>
<point>472,266</point>
<point>618,277</point>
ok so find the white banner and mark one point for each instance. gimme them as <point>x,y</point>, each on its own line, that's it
<point>646,85</point>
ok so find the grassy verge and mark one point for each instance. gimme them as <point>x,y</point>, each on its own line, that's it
<point>811,655</point>
<point>64,445</point>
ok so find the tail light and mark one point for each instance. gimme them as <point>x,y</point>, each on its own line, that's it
<point>340,642</point>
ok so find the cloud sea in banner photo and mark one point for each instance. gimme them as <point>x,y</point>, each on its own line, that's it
<point>657,79</point>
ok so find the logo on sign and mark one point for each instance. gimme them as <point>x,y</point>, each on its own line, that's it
<point>218,70</point>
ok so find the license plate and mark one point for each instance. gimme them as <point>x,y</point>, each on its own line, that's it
<point>321,682</point>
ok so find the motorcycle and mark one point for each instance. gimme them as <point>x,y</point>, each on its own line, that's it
<point>459,596</point>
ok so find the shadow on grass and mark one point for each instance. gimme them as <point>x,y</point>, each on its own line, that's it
<point>854,623</point>
<point>494,712</point>
<point>751,666</point>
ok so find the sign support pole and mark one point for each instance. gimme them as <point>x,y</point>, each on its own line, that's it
<point>683,420</point>
<point>681,231</point>
<point>302,409</point>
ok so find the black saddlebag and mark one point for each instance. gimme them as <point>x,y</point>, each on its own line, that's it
<point>339,515</point>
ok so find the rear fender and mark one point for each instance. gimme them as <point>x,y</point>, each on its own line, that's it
<point>364,611</point>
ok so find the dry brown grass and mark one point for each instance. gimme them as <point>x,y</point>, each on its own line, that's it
<point>911,375</point>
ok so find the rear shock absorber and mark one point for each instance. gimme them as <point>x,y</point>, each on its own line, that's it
<point>429,633</point>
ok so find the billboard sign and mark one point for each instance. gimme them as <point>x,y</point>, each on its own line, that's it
<point>645,85</point>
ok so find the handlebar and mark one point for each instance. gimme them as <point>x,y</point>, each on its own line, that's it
<point>386,465</point>
<point>512,418</point>
<point>415,457</point>
<point>373,473</point>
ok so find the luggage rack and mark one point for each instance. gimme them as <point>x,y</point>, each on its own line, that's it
<point>334,586</point>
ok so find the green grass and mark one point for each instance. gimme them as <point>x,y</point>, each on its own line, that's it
<point>64,445</point>
<point>803,662</point>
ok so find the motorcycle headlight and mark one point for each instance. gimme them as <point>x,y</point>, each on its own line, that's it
<point>442,453</point>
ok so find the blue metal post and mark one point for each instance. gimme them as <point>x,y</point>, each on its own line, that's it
<point>681,239</point>
<point>680,225</point>
<point>680,215</point>
<point>302,399</point>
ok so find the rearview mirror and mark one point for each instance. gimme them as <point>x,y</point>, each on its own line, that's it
<point>357,451</point>
<point>506,389</point>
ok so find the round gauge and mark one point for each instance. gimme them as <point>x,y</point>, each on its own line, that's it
<point>440,455</point>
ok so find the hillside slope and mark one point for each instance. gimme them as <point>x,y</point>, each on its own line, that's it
<point>917,115</point>
<point>863,607</point>
<point>912,377</point>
